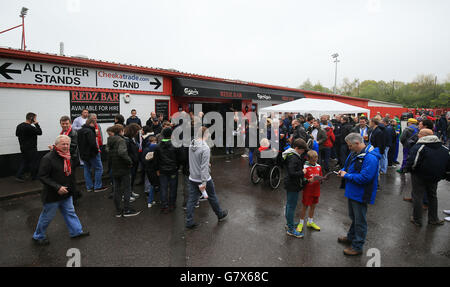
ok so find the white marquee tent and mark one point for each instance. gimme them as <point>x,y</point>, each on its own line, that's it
<point>316,107</point>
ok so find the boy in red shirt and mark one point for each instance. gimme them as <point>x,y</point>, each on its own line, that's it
<point>311,191</point>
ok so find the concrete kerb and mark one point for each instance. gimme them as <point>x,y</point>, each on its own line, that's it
<point>38,188</point>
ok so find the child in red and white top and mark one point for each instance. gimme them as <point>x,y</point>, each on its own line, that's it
<point>311,192</point>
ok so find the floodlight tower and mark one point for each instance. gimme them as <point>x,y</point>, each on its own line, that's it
<point>335,57</point>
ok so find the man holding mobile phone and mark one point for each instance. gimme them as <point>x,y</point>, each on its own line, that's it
<point>27,132</point>
<point>56,175</point>
<point>360,175</point>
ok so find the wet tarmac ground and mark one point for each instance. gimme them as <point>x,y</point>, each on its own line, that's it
<point>252,236</point>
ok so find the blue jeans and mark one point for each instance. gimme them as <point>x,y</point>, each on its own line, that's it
<point>96,164</point>
<point>250,156</point>
<point>397,147</point>
<point>48,213</point>
<point>291,205</point>
<point>151,194</point>
<point>384,161</point>
<point>194,195</point>
<point>358,230</point>
<point>168,181</point>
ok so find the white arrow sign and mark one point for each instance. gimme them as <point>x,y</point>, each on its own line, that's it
<point>28,72</point>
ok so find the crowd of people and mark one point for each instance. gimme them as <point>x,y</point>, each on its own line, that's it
<point>130,149</point>
<point>362,150</point>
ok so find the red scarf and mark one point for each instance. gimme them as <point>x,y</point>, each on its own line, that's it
<point>99,137</point>
<point>66,157</point>
<point>263,148</point>
<point>66,133</point>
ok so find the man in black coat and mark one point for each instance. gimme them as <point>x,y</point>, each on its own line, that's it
<point>335,151</point>
<point>441,128</point>
<point>56,175</point>
<point>428,162</point>
<point>391,137</point>
<point>90,154</point>
<point>168,159</point>
<point>377,137</point>
<point>120,164</point>
<point>67,130</point>
<point>345,130</point>
<point>298,131</point>
<point>27,134</point>
<point>363,129</point>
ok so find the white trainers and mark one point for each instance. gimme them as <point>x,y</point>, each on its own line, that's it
<point>447,219</point>
<point>135,195</point>
<point>149,205</point>
<point>132,199</point>
<point>447,212</point>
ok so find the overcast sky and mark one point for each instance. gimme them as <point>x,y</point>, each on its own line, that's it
<point>273,42</point>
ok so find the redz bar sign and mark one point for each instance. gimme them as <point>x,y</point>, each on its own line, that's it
<point>105,105</point>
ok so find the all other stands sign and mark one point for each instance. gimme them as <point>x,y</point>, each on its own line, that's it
<point>28,72</point>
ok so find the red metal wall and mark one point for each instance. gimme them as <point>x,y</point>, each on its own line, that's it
<point>384,110</point>
<point>363,103</point>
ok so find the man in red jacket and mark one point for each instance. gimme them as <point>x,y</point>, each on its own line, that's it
<point>325,149</point>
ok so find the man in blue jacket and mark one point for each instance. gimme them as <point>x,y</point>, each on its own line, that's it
<point>360,174</point>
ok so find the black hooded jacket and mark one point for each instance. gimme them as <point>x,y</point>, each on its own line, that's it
<point>294,178</point>
<point>346,128</point>
<point>429,159</point>
<point>378,138</point>
<point>300,133</point>
<point>87,142</point>
<point>168,158</point>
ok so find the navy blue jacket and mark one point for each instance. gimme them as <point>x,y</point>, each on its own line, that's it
<point>136,120</point>
<point>428,159</point>
<point>377,138</point>
<point>361,180</point>
<point>391,136</point>
<point>442,124</point>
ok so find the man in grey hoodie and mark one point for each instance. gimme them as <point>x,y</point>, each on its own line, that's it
<point>200,178</point>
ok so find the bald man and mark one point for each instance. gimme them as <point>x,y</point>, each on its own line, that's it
<point>428,161</point>
<point>425,132</point>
